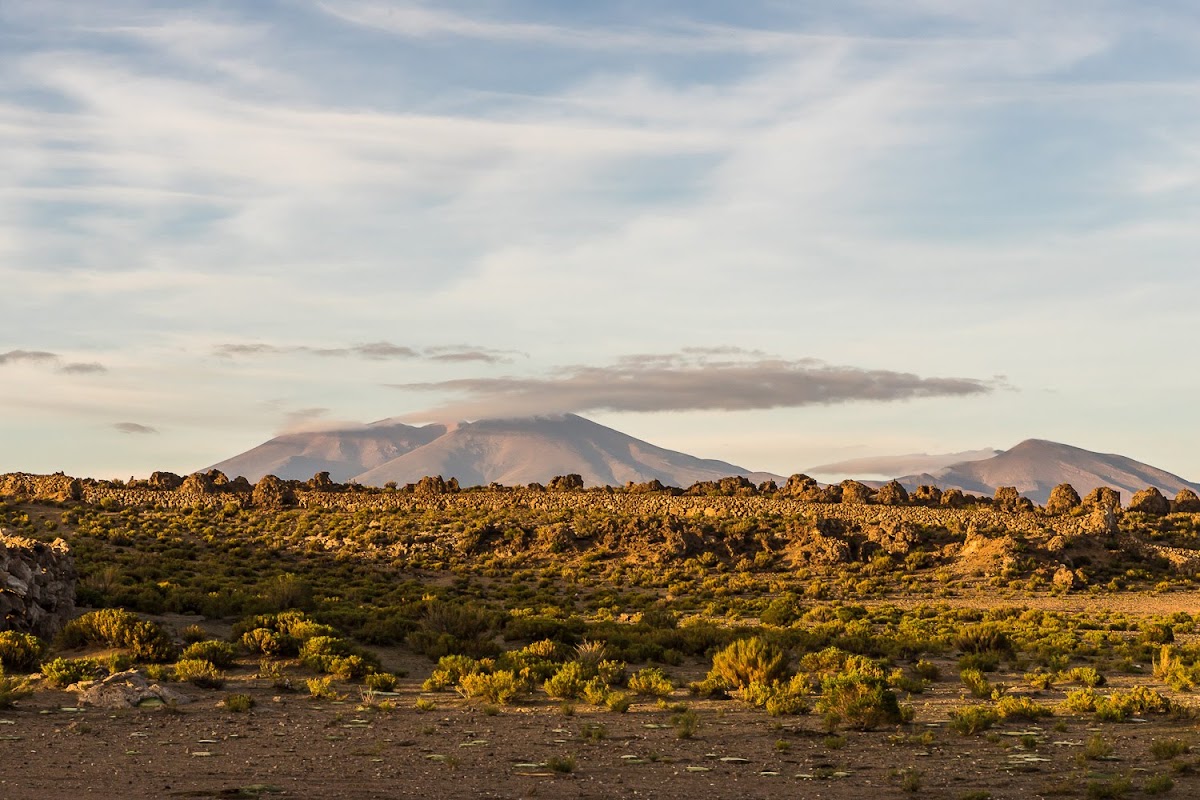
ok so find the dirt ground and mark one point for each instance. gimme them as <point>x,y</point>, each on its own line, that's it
<point>290,745</point>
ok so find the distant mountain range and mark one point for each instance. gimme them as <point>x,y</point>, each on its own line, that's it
<point>511,452</point>
<point>1036,466</point>
<point>536,449</point>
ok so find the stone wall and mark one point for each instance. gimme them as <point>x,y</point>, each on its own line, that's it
<point>37,585</point>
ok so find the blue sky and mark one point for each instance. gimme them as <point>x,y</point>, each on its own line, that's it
<point>790,233</point>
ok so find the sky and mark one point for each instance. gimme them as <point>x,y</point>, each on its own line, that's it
<point>779,234</point>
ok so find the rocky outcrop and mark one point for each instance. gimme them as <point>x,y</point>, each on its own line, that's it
<point>270,492</point>
<point>1009,499</point>
<point>37,585</point>
<point>855,493</point>
<point>1150,501</point>
<point>1063,500</point>
<point>57,487</point>
<point>1186,502</point>
<point>892,494</point>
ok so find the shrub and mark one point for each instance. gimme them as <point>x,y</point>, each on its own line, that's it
<point>500,687</point>
<point>973,719</point>
<point>686,723</point>
<point>239,703</point>
<point>1121,705</point>
<point>20,652</point>
<point>858,701</point>
<point>145,641</point>
<point>1164,749</point>
<point>652,682</point>
<point>1096,748</point>
<point>380,681</point>
<point>322,688</point>
<point>267,642</point>
<point>337,656</point>
<point>449,673</point>
<point>220,654</point>
<point>985,638</point>
<point>1082,701</point>
<point>927,670</point>
<point>13,689</point>
<point>567,683</point>
<point>453,629</point>
<point>199,672</point>
<point>62,672</point>
<point>192,634</point>
<point>1012,707</point>
<point>1085,676</point>
<point>975,681</point>
<point>746,661</point>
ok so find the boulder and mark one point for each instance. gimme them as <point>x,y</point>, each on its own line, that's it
<point>1009,499</point>
<point>798,485</point>
<point>164,481</point>
<point>927,496</point>
<point>1150,501</point>
<point>892,494</point>
<point>271,492</point>
<point>1063,499</point>
<point>855,493</point>
<point>1186,502</point>
<point>128,689</point>
<point>1103,497</point>
<point>197,483</point>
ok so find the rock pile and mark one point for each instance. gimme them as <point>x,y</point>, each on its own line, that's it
<point>37,585</point>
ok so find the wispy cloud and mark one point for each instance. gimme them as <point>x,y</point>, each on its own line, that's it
<point>375,351</point>
<point>83,368</point>
<point>35,356</point>
<point>46,357</point>
<point>682,382</point>
<point>134,427</point>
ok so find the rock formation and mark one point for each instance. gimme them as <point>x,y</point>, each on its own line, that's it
<point>1063,499</point>
<point>1150,501</point>
<point>37,585</point>
<point>1186,502</point>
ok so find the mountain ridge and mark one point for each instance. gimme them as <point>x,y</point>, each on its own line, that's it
<point>507,451</point>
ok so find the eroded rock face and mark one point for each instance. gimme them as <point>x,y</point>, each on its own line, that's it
<point>1150,501</point>
<point>927,495</point>
<point>37,585</point>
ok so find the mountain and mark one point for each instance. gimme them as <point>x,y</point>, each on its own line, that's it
<point>509,451</point>
<point>343,454</point>
<point>1036,466</point>
<point>898,465</point>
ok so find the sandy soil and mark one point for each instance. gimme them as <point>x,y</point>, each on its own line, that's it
<point>293,746</point>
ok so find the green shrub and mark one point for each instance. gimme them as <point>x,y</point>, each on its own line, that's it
<point>1085,676</point>
<point>322,688</point>
<point>1164,749</point>
<point>1158,784</point>
<point>686,723</point>
<point>20,652</point>
<point>62,672</point>
<point>146,641</point>
<point>1081,701</point>
<point>1121,705</point>
<point>1013,707</point>
<point>199,672</point>
<point>746,661</point>
<point>976,683</point>
<point>239,703</point>
<point>337,656</point>
<point>500,687</point>
<point>453,629</point>
<point>221,654</point>
<point>973,719</point>
<point>568,682</point>
<point>449,673</point>
<point>858,701</point>
<point>380,681</point>
<point>652,682</point>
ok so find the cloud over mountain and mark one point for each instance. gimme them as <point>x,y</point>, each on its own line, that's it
<point>686,381</point>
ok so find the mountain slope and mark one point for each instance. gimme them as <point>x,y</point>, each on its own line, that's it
<point>1036,466</point>
<point>521,451</point>
<point>343,454</point>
